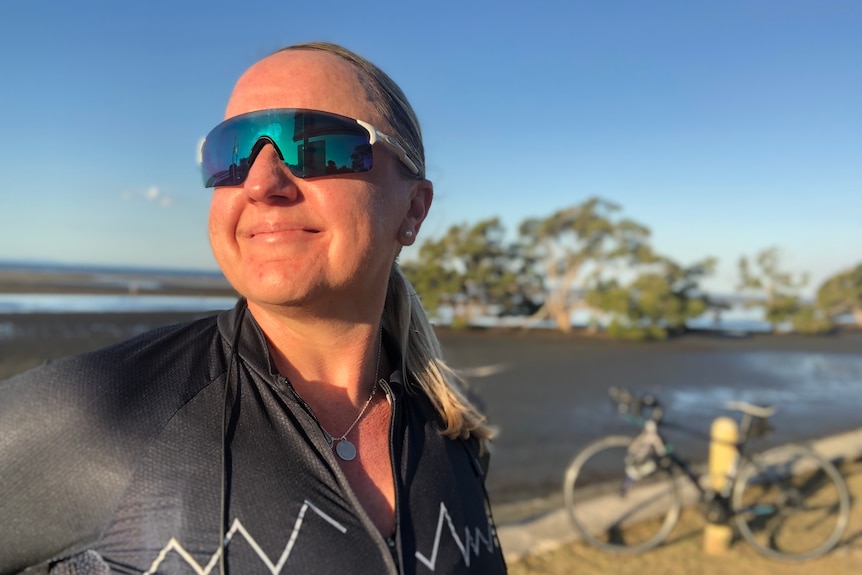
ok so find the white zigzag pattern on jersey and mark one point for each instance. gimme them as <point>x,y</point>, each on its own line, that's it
<point>237,527</point>
<point>470,545</point>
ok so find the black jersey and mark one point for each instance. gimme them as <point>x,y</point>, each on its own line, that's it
<point>113,462</point>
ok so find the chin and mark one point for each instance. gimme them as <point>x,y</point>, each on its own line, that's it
<point>276,295</point>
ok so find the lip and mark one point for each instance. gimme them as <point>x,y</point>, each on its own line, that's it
<point>270,232</point>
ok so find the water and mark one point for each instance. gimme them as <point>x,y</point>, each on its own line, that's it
<point>738,320</point>
<point>91,303</point>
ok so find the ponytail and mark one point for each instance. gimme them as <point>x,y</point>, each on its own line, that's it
<point>422,361</point>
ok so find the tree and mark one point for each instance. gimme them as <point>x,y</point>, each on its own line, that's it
<point>431,279</point>
<point>470,268</point>
<point>780,290</point>
<point>657,302</point>
<point>842,293</point>
<point>570,250</point>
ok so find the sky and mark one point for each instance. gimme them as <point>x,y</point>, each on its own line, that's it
<point>726,127</point>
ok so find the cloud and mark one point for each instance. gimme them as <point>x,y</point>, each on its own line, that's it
<point>150,194</point>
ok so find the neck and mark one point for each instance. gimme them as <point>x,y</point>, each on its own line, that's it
<point>328,362</point>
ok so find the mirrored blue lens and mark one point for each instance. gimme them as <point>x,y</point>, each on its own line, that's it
<point>311,144</point>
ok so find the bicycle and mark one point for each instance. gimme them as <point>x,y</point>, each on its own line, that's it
<point>625,494</point>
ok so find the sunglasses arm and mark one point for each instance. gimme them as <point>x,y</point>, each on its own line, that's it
<point>390,143</point>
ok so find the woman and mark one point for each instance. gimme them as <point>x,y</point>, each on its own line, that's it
<point>312,429</point>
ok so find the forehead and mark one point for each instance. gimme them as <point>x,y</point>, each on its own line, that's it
<point>302,79</point>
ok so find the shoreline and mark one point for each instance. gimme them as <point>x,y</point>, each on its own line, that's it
<point>30,338</point>
<point>576,336</point>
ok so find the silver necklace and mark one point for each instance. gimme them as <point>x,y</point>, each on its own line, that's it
<point>343,446</point>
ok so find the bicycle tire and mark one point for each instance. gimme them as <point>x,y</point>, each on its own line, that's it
<point>608,518</point>
<point>791,503</point>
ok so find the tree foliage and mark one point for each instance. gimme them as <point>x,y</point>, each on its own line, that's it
<point>657,302</point>
<point>842,293</point>
<point>571,248</point>
<point>471,269</point>
<point>779,288</point>
<point>575,258</point>
<point>809,320</point>
<point>587,256</point>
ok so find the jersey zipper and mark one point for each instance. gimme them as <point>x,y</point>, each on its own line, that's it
<point>392,540</point>
<point>388,543</point>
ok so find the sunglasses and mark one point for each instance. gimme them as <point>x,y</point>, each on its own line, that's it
<point>310,143</point>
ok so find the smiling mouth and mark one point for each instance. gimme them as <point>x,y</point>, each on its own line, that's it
<point>281,232</point>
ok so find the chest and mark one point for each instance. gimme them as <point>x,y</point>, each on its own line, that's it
<point>292,507</point>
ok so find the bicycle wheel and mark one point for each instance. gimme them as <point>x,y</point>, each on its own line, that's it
<point>618,506</point>
<point>791,503</point>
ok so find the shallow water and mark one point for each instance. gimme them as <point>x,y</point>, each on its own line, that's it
<point>13,303</point>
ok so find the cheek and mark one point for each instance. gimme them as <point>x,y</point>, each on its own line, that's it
<point>381,217</point>
<point>222,218</point>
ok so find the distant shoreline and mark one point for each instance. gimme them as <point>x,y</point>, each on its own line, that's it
<point>32,279</point>
<point>95,281</point>
<point>27,339</point>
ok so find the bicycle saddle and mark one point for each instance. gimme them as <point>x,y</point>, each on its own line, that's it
<point>751,409</point>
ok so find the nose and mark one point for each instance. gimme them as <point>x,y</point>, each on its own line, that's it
<point>269,179</point>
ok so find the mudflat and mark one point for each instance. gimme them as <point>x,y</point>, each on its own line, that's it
<point>547,392</point>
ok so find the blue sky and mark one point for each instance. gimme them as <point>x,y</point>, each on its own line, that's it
<point>726,127</point>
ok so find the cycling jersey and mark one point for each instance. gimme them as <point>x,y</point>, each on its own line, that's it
<point>112,462</point>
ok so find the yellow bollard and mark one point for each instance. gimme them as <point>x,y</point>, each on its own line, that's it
<point>717,535</point>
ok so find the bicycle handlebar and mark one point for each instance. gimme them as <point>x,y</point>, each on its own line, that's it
<point>646,407</point>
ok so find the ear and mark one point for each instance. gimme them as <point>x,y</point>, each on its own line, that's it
<point>421,195</point>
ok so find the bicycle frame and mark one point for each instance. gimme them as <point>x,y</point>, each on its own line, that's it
<point>651,436</point>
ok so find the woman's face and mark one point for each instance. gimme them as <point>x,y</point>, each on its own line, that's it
<point>324,245</point>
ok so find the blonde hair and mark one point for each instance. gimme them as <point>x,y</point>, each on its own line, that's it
<point>422,358</point>
<point>403,315</point>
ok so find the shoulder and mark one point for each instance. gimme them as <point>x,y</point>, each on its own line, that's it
<point>121,384</point>
<point>161,357</point>
<point>125,392</point>
<point>74,430</point>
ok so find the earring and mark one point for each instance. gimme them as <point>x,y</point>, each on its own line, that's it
<point>408,234</point>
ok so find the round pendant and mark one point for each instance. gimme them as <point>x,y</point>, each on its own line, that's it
<point>345,450</point>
